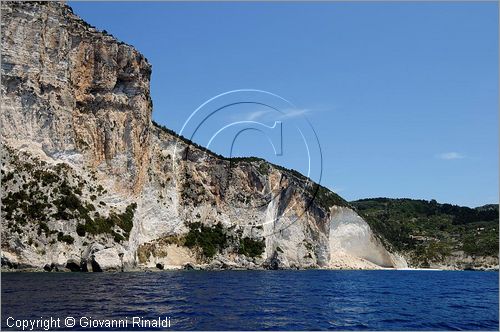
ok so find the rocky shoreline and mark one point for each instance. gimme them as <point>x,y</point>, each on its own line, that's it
<point>203,268</point>
<point>216,265</point>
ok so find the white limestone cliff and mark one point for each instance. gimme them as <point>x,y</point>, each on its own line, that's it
<point>87,177</point>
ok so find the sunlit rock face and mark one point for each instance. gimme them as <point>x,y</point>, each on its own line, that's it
<point>73,89</point>
<point>351,236</point>
<point>87,177</point>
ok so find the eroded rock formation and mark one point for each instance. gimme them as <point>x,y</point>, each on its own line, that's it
<point>88,179</point>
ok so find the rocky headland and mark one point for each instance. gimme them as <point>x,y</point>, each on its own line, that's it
<point>91,183</point>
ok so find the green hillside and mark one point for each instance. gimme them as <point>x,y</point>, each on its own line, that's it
<point>428,231</point>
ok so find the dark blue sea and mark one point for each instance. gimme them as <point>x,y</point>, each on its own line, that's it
<point>256,300</point>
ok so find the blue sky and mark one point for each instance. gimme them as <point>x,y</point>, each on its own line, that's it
<point>403,97</point>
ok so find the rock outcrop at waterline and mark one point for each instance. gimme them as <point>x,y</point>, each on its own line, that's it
<point>90,183</point>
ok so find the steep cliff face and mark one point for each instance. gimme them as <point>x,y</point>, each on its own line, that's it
<point>77,93</point>
<point>89,183</point>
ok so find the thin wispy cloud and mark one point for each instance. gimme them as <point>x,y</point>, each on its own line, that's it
<point>450,156</point>
<point>255,115</point>
<point>287,114</point>
<point>293,113</point>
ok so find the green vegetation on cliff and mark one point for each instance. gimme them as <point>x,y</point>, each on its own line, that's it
<point>35,194</point>
<point>209,239</point>
<point>100,225</point>
<point>251,248</point>
<point>431,231</point>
